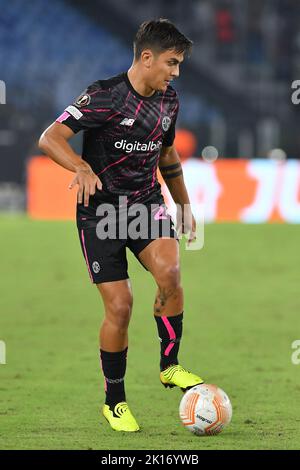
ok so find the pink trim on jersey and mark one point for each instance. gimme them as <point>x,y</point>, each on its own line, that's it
<point>152,132</point>
<point>112,164</point>
<point>159,119</point>
<point>153,177</point>
<point>85,254</point>
<point>156,137</point>
<point>161,103</point>
<point>171,332</point>
<point>63,117</point>
<point>113,115</point>
<point>98,91</point>
<point>175,109</point>
<point>135,194</point>
<point>127,97</point>
<point>98,110</point>
<point>138,108</point>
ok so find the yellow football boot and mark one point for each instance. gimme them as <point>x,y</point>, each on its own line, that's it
<point>177,376</point>
<point>120,419</point>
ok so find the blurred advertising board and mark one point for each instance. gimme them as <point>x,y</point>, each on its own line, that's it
<point>249,191</point>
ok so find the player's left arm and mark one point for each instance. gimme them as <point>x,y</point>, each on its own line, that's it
<point>171,171</point>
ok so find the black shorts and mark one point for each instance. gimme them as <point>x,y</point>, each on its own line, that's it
<point>106,256</point>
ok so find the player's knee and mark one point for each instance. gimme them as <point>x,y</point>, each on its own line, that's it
<point>169,276</point>
<point>119,312</point>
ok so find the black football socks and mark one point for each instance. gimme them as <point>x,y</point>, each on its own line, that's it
<point>169,332</point>
<point>114,368</point>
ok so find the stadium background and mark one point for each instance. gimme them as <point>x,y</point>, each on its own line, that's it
<point>241,289</point>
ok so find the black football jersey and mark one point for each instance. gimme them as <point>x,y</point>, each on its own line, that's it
<point>123,136</point>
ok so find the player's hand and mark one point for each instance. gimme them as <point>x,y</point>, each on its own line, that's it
<point>87,181</point>
<point>186,224</point>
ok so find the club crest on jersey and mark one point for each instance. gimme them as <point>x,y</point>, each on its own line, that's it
<point>83,100</point>
<point>166,122</point>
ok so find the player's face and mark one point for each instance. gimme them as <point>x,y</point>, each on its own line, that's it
<point>164,68</point>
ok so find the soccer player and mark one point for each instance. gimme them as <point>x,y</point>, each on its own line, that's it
<point>129,129</point>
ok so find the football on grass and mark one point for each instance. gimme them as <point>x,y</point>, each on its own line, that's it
<point>205,410</point>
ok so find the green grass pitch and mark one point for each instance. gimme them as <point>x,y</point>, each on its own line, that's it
<point>242,308</point>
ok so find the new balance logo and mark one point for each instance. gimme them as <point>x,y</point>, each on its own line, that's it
<point>127,122</point>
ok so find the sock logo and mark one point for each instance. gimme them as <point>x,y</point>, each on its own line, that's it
<point>114,381</point>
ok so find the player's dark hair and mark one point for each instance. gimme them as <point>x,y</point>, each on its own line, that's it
<point>160,35</point>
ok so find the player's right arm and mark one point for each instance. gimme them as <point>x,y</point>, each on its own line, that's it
<point>54,143</point>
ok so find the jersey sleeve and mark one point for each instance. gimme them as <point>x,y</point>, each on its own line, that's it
<point>169,136</point>
<point>90,110</point>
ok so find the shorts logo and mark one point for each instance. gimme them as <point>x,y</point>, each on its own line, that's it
<point>166,122</point>
<point>96,267</point>
<point>83,100</point>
